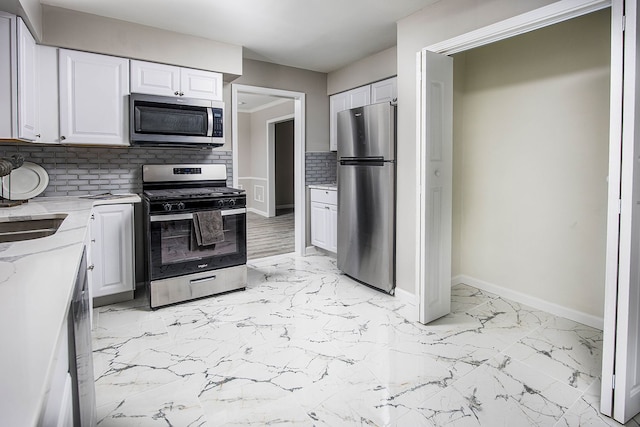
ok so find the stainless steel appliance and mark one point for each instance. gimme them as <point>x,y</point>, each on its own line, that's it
<point>366,194</point>
<point>80,353</point>
<point>175,121</point>
<point>181,263</point>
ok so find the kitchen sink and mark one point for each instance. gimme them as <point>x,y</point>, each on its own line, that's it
<point>18,228</point>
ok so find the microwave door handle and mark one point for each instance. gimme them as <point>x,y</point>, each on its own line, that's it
<point>209,121</point>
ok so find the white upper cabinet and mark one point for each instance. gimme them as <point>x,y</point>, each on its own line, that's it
<point>201,84</point>
<point>337,103</point>
<point>168,80</point>
<point>94,93</point>
<point>28,90</point>
<point>19,103</point>
<point>382,91</point>
<point>8,77</point>
<point>155,79</point>
<point>358,97</point>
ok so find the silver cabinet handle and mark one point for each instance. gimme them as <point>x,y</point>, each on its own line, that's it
<point>181,93</point>
<point>91,267</point>
<point>62,138</point>
<point>176,93</point>
<point>38,135</point>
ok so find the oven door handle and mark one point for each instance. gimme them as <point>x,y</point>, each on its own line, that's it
<point>180,217</point>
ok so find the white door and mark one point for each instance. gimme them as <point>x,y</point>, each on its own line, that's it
<point>200,84</point>
<point>621,343</point>
<point>28,108</point>
<point>435,187</point>
<point>93,98</point>
<point>111,249</point>
<point>320,225</point>
<point>155,79</point>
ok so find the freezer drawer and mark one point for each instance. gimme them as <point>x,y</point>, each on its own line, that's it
<point>366,223</point>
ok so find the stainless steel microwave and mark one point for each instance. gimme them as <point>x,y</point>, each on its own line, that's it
<point>175,121</point>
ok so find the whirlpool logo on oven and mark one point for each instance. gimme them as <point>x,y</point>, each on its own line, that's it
<point>203,265</point>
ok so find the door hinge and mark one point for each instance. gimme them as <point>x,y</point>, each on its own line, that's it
<point>624,23</point>
<point>619,206</point>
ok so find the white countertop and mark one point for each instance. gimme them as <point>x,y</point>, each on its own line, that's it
<point>324,186</point>
<point>36,284</point>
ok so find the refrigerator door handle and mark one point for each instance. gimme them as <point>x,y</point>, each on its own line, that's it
<point>364,161</point>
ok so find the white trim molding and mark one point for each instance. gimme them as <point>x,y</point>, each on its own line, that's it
<point>299,102</point>
<point>539,18</point>
<point>531,301</point>
<point>258,212</point>
<point>410,312</point>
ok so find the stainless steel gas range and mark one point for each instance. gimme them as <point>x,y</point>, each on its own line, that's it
<point>196,232</point>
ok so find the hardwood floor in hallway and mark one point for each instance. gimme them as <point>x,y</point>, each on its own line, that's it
<point>270,236</point>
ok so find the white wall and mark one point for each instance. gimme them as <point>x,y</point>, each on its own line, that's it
<point>531,137</point>
<point>373,68</point>
<point>92,33</point>
<point>313,84</point>
<point>435,23</point>
<point>252,152</point>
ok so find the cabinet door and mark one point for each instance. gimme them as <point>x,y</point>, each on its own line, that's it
<point>200,84</point>
<point>93,98</point>
<point>333,228</point>
<point>359,97</point>
<point>384,91</point>
<point>28,99</point>
<point>337,103</point>
<point>111,252</point>
<point>319,225</point>
<point>48,94</point>
<point>155,79</point>
<point>8,78</point>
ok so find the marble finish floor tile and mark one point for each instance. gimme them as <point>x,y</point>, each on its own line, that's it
<point>305,345</point>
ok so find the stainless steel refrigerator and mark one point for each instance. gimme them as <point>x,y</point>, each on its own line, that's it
<point>367,194</point>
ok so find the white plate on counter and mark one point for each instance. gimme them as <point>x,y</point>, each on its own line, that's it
<point>28,181</point>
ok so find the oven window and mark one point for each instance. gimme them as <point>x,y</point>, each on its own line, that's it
<point>175,250</point>
<point>179,244</point>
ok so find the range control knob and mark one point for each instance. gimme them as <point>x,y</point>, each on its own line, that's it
<point>180,206</point>
<point>232,202</point>
<point>166,206</point>
<point>220,202</point>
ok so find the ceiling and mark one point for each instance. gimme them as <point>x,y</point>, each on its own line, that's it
<point>251,102</point>
<point>318,35</point>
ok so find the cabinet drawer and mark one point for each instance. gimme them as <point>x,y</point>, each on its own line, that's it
<point>324,196</point>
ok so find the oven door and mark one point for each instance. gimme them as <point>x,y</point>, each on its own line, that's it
<point>174,251</point>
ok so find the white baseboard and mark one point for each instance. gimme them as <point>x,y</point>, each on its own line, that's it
<point>256,211</point>
<point>406,297</point>
<point>531,301</point>
<point>410,312</point>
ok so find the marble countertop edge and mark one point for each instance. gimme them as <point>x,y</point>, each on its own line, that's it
<point>37,278</point>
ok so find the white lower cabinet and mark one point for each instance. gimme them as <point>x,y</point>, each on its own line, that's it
<point>111,250</point>
<point>58,405</point>
<point>324,219</point>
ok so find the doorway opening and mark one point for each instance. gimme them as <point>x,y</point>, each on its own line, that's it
<point>268,163</point>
